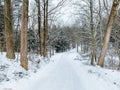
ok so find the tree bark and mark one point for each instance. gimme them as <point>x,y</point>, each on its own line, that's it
<point>108,31</point>
<point>100,25</point>
<point>39,27</point>
<point>77,47</point>
<point>8,30</point>
<point>93,58</point>
<point>24,28</point>
<point>45,28</point>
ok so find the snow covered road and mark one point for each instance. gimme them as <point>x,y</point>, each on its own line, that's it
<point>61,77</point>
<point>58,75</point>
<point>65,73</point>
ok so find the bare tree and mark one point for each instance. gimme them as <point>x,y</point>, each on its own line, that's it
<point>45,27</point>
<point>24,28</point>
<point>93,58</point>
<point>108,31</point>
<point>9,37</point>
<point>39,25</point>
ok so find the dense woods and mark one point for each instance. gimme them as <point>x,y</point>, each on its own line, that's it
<point>34,28</point>
<point>59,44</point>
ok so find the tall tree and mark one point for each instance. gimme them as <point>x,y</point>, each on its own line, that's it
<point>8,30</point>
<point>100,24</point>
<point>24,28</point>
<point>2,46</point>
<point>45,27</point>
<point>39,25</point>
<point>108,31</point>
<point>92,33</point>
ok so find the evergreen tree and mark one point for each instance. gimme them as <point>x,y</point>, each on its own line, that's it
<point>61,43</point>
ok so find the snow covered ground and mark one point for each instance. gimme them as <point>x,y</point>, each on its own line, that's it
<point>65,72</point>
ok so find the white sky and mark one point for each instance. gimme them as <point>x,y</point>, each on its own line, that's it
<point>65,17</point>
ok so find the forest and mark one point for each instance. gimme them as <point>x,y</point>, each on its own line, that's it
<point>59,44</point>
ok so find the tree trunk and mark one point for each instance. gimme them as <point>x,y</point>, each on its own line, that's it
<point>45,28</point>
<point>108,31</point>
<point>77,47</point>
<point>24,28</point>
<point>39,27</point>
<point>50,51</point>
<point>8,30</point>
<point>93,58</point>
<point>100,26</point>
